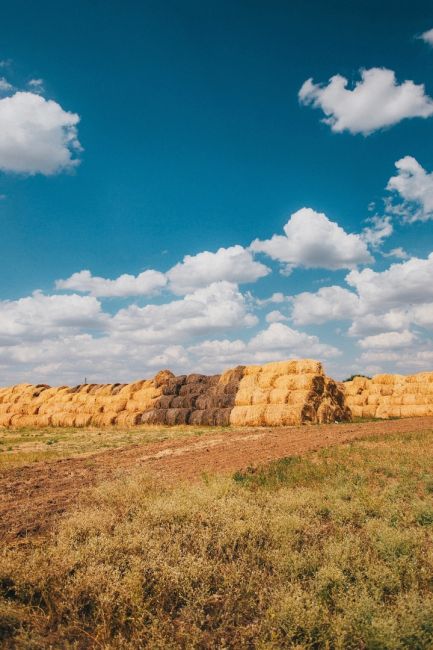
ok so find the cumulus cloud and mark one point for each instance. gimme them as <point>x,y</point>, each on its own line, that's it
<point>275,316</point>
<point>402,284</point>
<point>277,341</point>
<point>5,86</point>
<point>388,340</point>
<point>40,315</point>
<point>234,264</point>
<point>375,102</point>
<point>311,240</point>
<point>427,37</point>
<point>37,135</point>
<point>145,284</point>
<point>37,85</point>
<point>412,189</point>
<point>329,303</point>
<point>380,229</point>
<point>398,252</point>
<point>220,306</point>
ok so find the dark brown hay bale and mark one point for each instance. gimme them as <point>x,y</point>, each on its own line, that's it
<point>222,417</point>
<point>182,402</point>
<point>196,418</point>
<point>163,402</point>
<point>177,416</point>
<point>209,417</point>
<point>154,416</point>
<point>193,389</point>
<point>195,378</point>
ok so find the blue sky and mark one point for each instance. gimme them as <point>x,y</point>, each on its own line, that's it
<point>194,137</point>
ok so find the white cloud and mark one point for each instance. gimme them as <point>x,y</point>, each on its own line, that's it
<point>40,315</point>
<point>36,135</point>
<point>403,283</point>
<point>311,240</point>
<point>427,37</point>
<point>234,264</point>
<point>329,303</point>
<point>388,340</point>
<point>375,102</point>
<point>144,284</point>
<point>5,86</point>
<point>283,340</point>
<point>398,252</point>
<point>275,316</point>
<point>274,343</point>
<point>413,186</point>
<point>380,229</point>
<point>220,306</point>
<point>37,85</point>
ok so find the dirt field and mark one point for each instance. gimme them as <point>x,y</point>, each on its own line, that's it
<point>33,496</point>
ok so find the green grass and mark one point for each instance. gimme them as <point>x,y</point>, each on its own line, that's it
<point>333,551</point>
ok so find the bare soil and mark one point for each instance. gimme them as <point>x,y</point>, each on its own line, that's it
<point>32,497</point>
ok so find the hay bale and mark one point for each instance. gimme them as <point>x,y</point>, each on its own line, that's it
<point>248,415</point>
<point>127,419</point>
<point>82,420</point>
<point>5,420</point>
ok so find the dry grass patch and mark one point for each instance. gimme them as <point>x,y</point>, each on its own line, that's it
<point>29,445</point>
<point>330,551</point>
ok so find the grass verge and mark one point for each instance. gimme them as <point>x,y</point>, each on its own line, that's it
<point>334,550</point>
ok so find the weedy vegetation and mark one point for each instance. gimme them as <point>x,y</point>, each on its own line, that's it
<point>333,550</point>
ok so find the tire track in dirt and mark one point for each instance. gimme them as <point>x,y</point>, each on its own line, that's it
<point>32,497</point>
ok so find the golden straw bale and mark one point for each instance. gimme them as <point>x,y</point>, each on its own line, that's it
<point>299,396</point>
<point>265,380</point>
<point>383,411</point>
<point>259,396</point>
<point>278,396</point>
<point>42,420</point>
<point>23,421</point>
<point>249,382</point>
<point>251,370</point>
<point>419,378</point>
<point>243,397</point>
<point>407,400</point>
<point>356,411</point>
<point>62,419</point>
<point>369,411</point>
<point>294,382</point>
<point>415,410</point>
<point>103,390</point>
<point>387,379</point>
<point>114,406</point>
<point>4,408</point>
<point>82,420</point>
<point>5,420</point>
<point>127,419</point>
<point>282,415</point>
<point>248,415</point>
<point>373,400</point>
<point>103,419</point>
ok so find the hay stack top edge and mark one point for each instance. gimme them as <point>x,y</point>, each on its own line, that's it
<point>277,393</point>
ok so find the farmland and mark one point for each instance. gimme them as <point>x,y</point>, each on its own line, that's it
<point>305,537</point>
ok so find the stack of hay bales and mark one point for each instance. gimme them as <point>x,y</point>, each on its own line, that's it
<point>196,399</point>
<point>283,393</point>
<point>288,393</point>
<point>388,396</point>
